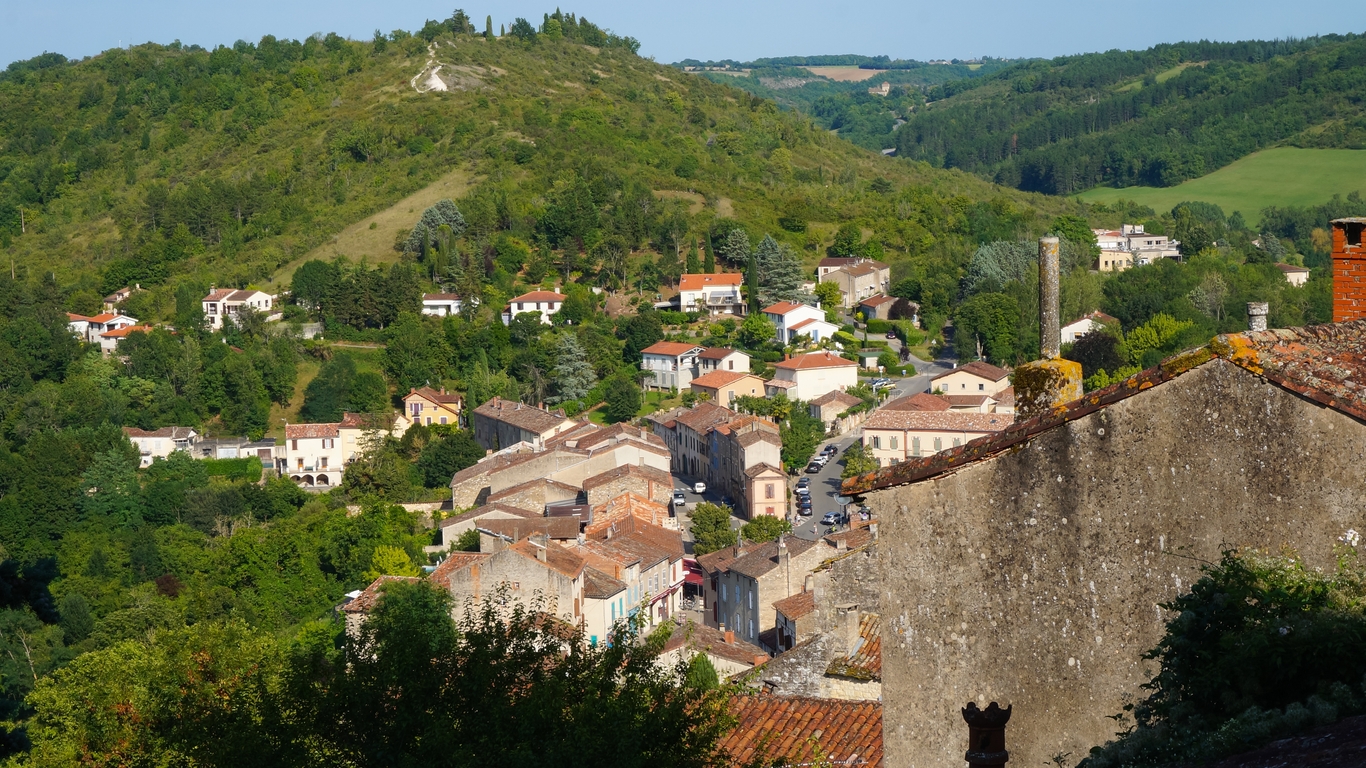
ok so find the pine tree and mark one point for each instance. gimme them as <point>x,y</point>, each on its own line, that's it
<point>736,247</point>
<point>573,373</point>
<point>693,265</point>
<point>780,271</point>
<point>709,259</point>
<point>488,27</point>
<point>502,30</point>
<point>424,234</point>
<point>752,282</point>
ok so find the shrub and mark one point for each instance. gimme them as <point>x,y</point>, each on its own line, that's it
<point>879,326</point>
<point>248,469</point>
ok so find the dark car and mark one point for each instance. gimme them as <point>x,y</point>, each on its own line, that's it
<point>804,482</point>
<point>804,511</point>
<point>803,502</point>
<point>891,335</point>
<point>830,450</point>
<point>813,468</point>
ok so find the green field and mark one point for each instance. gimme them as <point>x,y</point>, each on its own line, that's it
<point>1282,176</point>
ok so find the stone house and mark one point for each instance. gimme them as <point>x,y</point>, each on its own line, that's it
<point>974,378</point>
<point>1256,440</point>
<point>528,569</point>
<point>643,480</point>
<point>725,387</point>
<point>795,619</point>
<point>860,280</point>
<point>741,583</point>
<point>728,654</point>
<point>451,528</point>
<point>877,306</point>
<point>830,405</point>
<point>808,376</point>
<point>501,423</point>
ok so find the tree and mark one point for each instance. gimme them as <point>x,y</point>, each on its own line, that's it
<point>423,236</point>
<point>488,27</point>
<point>765,528</point>
<point>857,461</point>
<point>800,433</point>
<point>780,271</point>
<point>985,327</point>
<point>639,331</point>
<point>468,541</point>
<point>848,241</point>
<point>623,399</point>
<point>1096,351</point>
<point>440,459</point>
<point>414,356</point>
<point>756,330</point>
<point>1077,231</point>
<point>379,471</point>
<point>111,487</point>
<point>389,560</point>
<point>830,296</point>
<point>709,258</point>
<point>735,248</point>
<point>693,265</point>
<point>573,374</point>
<point>711,528</point>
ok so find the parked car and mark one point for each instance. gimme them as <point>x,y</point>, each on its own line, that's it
<point>891,335</point>
<point>679,499</point>
<point>726,502</point>
<point>830,450</point>
<point>804,502</point>
<point>831,518</point>
<point>804,511</point>
<point>803,491</point>
<point>804,482</point>
<point>820,459</point>
<point>813,468</point>
<point>699,487</point>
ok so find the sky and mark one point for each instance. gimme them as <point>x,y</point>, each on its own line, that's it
<point>700,29</point>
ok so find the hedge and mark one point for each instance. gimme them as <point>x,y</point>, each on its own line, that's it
<point>235,469</point>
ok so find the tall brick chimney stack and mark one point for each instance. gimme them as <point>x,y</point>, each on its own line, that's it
<point>1349,269</point>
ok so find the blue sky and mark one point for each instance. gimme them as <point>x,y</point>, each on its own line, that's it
<point>703,29</point>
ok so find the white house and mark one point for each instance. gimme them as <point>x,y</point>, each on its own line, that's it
<point>545,302</point>
<point>158,443</point>
<point>792,320</point>
<point>715,294</point>
<point>670,364</point>
<point>975,378</point>
<point>1293,274</point>
<point>313,454</point>
<point>440,304</point>
<point>807,377</point>
<point>110,340</point>
<point>895,436</point>
<point>1129,246</point>
<point>1089,322</point>
<point>721,359</point>
<point>222,303</point>
<point>89,329</point>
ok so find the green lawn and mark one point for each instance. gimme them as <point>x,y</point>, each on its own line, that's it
<point>1281,176</point>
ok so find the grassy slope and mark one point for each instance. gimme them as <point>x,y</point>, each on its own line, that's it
<point>510,92</point>
<point>1281,176</point>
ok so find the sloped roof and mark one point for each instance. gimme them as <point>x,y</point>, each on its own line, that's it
<point>1290,268</point>
<point>815,360</point>
<point>539,296</point>
<point>621,511</point>
<point>1323,363</point>
<point>174,433</point>
<point>762,558</point>
<point>219,294</point>
<point>920,401</point>
<point>557,558</point>
<point>968,401</point>
<point>717,353</point>
<point>599,585</point>
<point>563,528</point>
<point>487,509</point>
<point>761,468</point>
<point>782,308</point>
<point>119,333</point>
<point>945,421</point>
<point>518,414</point>
<point>837,261</point>
<point>440,297</point>
<point>704,416</point>
<point>718,379</point>
<point>865,662</point>
<point>809,321</point>
<point>435,396</point>
<point>712,641</point>
<point>863,268</point>
<point>978,368</point>
<point>797,606</point>
<point>643,471</point>
<point>698,282</point>
<point>455,561</point>
<point>369,598</point>
<point>877,301</point>
<point>838,398</point>
<point>803,730</point>
<point>306,431</point>
<point>669,348</point>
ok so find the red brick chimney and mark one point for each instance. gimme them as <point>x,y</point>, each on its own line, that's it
<point>1349,269</point>
<point>730,636</point>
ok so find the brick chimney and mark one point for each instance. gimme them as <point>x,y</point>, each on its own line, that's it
<point>986,735</point>
<point>729,636</point>
<point>1349,269</point>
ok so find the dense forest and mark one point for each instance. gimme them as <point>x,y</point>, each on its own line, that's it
<point>1155,117</point>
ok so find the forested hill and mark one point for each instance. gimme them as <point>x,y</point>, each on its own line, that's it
<point>165,164</point>
<point>1153,118</point>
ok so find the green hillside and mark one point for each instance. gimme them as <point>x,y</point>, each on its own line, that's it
<point>1283,176</point>
<point>1144,118</point>
<point>165,164</point>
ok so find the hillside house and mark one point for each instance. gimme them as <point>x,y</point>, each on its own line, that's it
<point>879,306</point>
<point>860,280</point>
<point>809,376</point>
<point>546,303</point>
<point>90,329</point>
<point>792,320</point>
<point>440,304</point>
<point>724,387</point>
<point>427,406</point>
<point>223,303</point>
<point>314,456</point>
<point>670,364</point>
<point>1092,321</point>
<point>828,407</point>
<point>721,359</point>
<point>502,423</point>
<point>110,340</point>
<point>975,378</point>
<point>159,443</point>
<point>1294,275</point>
<point>113,300</point>
<point>1129,246</point>
<point>716,294</point>
<point>742,582</point>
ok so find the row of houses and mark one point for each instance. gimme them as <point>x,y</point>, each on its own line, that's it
<point>736,455</point>
<point>724,374</point>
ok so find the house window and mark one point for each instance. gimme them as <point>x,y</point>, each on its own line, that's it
<point>730,364</point>
<point>981,387</point>
<point>915,446</point>
<point>519,306</point>
<point>322,462</point>
<point>429,420</point>
<point>294,445</point>
<point>329,443</point>
<point>768,491</point>
<point>301,464</point>
<point>417,408</point>
<point>443,419</point>
<point>938,445</point>
<point>751,629</point>
<point>877,441</point>
<point>723,591</point>
<point>894,443</point>
<point>957,442</point>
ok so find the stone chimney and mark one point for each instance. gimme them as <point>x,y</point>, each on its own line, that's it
<point>1349,269</point>
<point>1047,383</point>
<point>1256,315</point>
<point>784,555</point>
<point>848,624</point>
<point>986,735</point>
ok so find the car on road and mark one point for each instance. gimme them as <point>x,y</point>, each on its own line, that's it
<point>804,511</point>
<point>830,450</point>
<point>726,502</point>
<point>803,502</point>
<point>804,482</point>
<point>699,487</point>
<point>679,499</point>
<point>813,468</point>
<point>831,518</point>
<point>820,459</point>
<point>891,335</point>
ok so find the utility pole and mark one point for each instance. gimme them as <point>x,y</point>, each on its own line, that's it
<point>23,228</point>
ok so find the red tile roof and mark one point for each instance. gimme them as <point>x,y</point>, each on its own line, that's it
<point>308,431</point>
<point>368,599</point>
<point>455,561</point>
<point>712,641</point>
<point>798,730</point>
<point>797,606</point>
<point>940,421</point>
<point>920,401</point>
<point>836,397</point>
<point>557,558</point>
<point>782,308</point>
<point>119,333</point>
<point>698,282</point>
<point>539,296</point>
<point>526,417</point>
<point>441,297</point>
<point>978,368</point>
<point>175,433</point>
<point>1324,363</point>
<point>837,261</point>
<point>669,348</point>
<point>432,395</point>
<point>1289,268</point>
<point>876,301</point>
<point>718,379</point>
<point>865,662</point>
<point>816,360</point>
<point>642,471</point>
<point>219,294</point>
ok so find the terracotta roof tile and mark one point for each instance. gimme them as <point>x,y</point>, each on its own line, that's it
<point>797,606</point>
<point>877,301</point>
<point>119,333</point>
<point>435,396</point>
<point>710,640</point>
<point>865,662</point>
<point>670,348</point>
<point>797,730</point>
<point>838,398</point>
<point>920,401</point>
<point>782,308</point>
<point>307,431</point>
<point>369,598</point>
<point>718,379</point>
<point>643,471</point>
<point>455,561</point>
<point>599,585</point>
<point>942,421</point>
<point>521,415</point>
<point>762,558</point>
<point>698,282</point>
<point>815,360</point>
<point>517,529</point>
<point>174,433</point>
<point>487,509</point>
<point>978,368</point>
<point>557,558</point>
<point>539,296</point>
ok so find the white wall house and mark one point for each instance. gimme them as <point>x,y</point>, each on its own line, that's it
<point>714,294</point>
<point>1293,274</point>
<point>1090,322</point>
<point>440,304</point>
<point>722,359</point>
<point>895,436</point>
<point>545,302</point>
<point>223,303</point>
<point>975,378</point>
<point>670,364</point>
<point>1129,246</point>
<point>159,443</point>
<point>314,455</point>
<point>792,320</point>
<point>807,377</point>
<point>89,329</point>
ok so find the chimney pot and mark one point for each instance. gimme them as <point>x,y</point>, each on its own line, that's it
<point>730,636</point>
<point>1256,315</point>
<point>986,735</point>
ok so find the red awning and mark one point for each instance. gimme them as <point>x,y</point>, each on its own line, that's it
<point>693,578</point>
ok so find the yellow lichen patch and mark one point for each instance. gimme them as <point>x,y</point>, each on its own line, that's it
<point>1178,364</point>
<point>1044,385</point>
<point>1237,350</point>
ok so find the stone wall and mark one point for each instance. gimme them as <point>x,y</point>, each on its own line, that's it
<point>1034,578</point>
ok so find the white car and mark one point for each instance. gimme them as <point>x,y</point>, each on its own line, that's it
<point>679,499</point>
<point>699,488</point>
